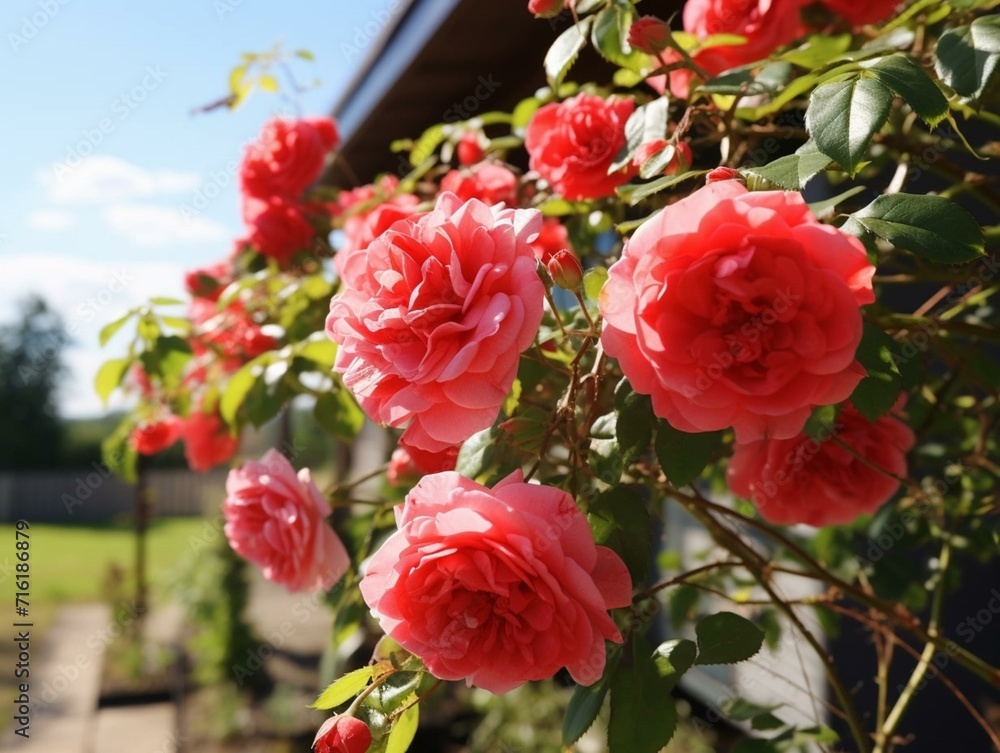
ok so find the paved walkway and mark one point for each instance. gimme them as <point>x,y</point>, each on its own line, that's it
<point>65,683</point>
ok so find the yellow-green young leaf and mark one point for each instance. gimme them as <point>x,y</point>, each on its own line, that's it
<point>268,83</point>
<point>565,50</point>
<point>344,689</point>
<point>593,282</point>
<point>428,142</point>
<point>238,387</point>
<point>164,301</point>
<point>403,731</point>
<point>111,329</point>
<point>322,352</point>
<point>110,376</point>
<point>305,55</point>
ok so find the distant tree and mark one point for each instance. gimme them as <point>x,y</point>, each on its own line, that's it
<point>31,367</point>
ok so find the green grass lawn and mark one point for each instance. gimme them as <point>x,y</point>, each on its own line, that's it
<point>72,563</point>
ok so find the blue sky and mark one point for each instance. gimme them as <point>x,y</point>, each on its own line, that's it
<point>101,155</point>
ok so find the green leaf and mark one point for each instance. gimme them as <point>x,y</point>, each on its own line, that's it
<point>619,519</point>
<point>878,391</point>
<point>643,714</point>
<point>476,453</point>
<point>844,116</point>
<point>636,192</point>
<point>404,730</point>
<point>647,122</point>
<point>322,351</point>
<point>929,226</point>
<point>586,702</point>
<point>305,55</point>
<point>683,456</point>
<point>344,689</point>
<point>593,282</point>
<point>634,427</point>
<point>913,85</point>
<point>164,301</point>
<point>426,145</point>
<point>740,710</point>
<point>673,658</point>
<point>237,388</point>
<point>606,458</point>
<point>565,50</point>
<point>111,329</point>
<point>791,172</point>
<point>110,376</point>
<point>337,412</point>
<point>262,402</point>
<point>967,57</point>
<point>727,638</point>
<point>820,208</point>
<point>610,39</point>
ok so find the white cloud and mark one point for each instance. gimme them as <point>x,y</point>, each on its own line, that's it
<point>102,179</point>
<point>151,225</point>
<point>51,220</point>
<point>87,294</point>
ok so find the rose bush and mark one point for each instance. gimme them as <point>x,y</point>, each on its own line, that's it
<point>606,307</point>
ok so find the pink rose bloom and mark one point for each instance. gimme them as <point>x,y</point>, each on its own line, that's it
<point>408,464</point>
<point>372,210</point>
<point>207,441</point>
<point>552,239</point>
<point>819,481</point>
<point>859,14</point>
<point>573,143</point>
<point>276,519</point>
<point>545,8</point>
<point>488,182</point>
<point>278,228</point>
<point>287,157</point>
<point>738,309</point>
<point>343,734</point>
<point>496,586</point>
<point>433,317</point>
<point>152,437</point>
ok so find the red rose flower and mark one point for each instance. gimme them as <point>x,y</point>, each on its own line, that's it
<point>278,228</point>
<point>488,182</point>
<point>546,8</point>
<point>821,481</point>
<point>552,239</point>
<point>859,14</point>
<point>207,441</point>
<point>276,518</point>
<point>230,331</point>
<point>343,734</point>
<point>208,282</point>
<point>151,437</point>
<point>740,309</point>
<point>434,315</point>
<point>496,586</point>
<point>765,24</point>
<point>573,143</point>
<point>287,157</point>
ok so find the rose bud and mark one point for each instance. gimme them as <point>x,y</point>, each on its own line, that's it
<point>343,734</point>
<point>470,150</point>
<point>566,270</point>
<point>545,8</point>
<point>723,173</point>
<point>649,35</point>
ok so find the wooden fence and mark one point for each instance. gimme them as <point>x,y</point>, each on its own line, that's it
<point>93,494</point>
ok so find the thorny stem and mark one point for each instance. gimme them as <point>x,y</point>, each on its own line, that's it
<point>759,568</point>
<point>884,742</point>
